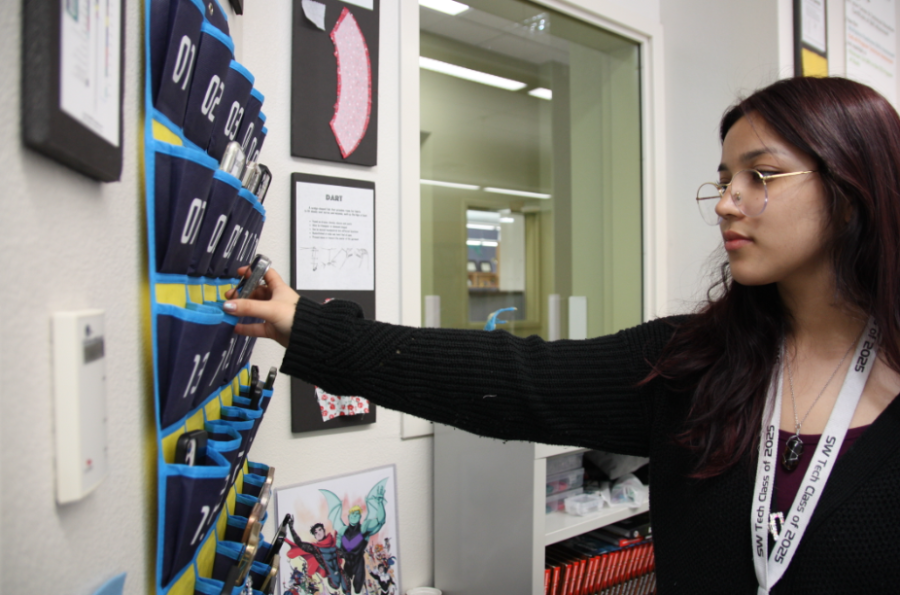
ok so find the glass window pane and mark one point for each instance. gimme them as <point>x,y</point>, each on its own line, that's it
<point>530,167</point>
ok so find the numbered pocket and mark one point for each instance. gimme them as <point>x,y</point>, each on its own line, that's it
<point>174,33</point>
<point>214,56</point>
<point>184,341</point>
<point>182,180</point>
<point>246,249</point>
<point>259,135</point>
<point>192,501</point>
<point>253,483</point>
<point>236,233</point>
<point>230,111</point>
<point>223,346</point>
<point>222,196</point>
<point>235,526</point>
<point>247,132</point>
<point>244,402</point>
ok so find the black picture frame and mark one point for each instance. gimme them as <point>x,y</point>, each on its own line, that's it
<point>305,413</point>
<point>46,128</point>
<point>314,84</point>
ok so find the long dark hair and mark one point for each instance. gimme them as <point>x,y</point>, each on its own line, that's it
<point>727,353</point>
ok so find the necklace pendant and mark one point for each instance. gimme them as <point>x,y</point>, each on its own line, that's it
<point>792,452</point>
<point>776,523</point>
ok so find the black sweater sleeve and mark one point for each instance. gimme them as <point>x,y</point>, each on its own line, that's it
<point>579,393</point>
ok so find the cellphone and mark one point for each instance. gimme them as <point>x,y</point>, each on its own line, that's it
<point>190,447</point>
<point>270,380</point>
<point>256,391</point>
<point>277,541</point>
<point>265,178</point>
<point>268,585</point>
<point>254,374</point>
<point>249,283</point>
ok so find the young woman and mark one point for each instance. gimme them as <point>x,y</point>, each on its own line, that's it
<point>769,415</point>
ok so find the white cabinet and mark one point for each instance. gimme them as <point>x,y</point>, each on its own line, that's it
<point>490,528</point>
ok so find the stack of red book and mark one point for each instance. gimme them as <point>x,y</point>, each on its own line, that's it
<point>586,565</point>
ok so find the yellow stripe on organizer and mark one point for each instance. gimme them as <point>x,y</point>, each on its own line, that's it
<point>171,293</point>
<point>239,483</point>
<point>210,293</point>
<point>813,63</point>
<point>223,289</point>
<point>195,293</point>
<point>244,375</point>
<point>168,446</point>
<point>213,410</point>
<point>185,585</point>
<point>229,501</point>
<point>161,133</point>
<point>207,556</point>
<point>195,422</point>
<point>222,523</point>
<point>227,396</point>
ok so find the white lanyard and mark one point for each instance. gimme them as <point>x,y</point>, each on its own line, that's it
<point>770,570</point>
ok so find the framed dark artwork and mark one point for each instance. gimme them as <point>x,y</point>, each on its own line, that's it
<point>73,82</point>
<point>334,81</point>
<point>332,257</point>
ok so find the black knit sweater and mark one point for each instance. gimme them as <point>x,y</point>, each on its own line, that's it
<point>583,393</point>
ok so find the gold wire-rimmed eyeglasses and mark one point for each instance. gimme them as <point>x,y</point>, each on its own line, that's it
<point>748,189</point>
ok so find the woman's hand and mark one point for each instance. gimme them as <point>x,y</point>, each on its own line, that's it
<point>274,302</point>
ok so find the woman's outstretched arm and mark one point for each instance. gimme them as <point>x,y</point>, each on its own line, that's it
<point>580,393</point>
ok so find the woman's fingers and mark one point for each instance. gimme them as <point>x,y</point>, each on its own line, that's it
<point>274,280</point>
<point>265,309</point>
<point>252,330</point>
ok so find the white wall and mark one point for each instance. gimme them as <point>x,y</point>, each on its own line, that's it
<point>70,243</point>
<point>716,53</point>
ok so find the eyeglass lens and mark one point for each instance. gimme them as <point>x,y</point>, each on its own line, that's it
<point>747,190</point>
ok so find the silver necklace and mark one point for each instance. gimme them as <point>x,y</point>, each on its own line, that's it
<point>794,448</point>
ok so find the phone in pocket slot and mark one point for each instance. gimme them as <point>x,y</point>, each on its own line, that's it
<point>230,113</point>
<point>174,40</point>
<point>223,193</point>
<point>191,447</point>
<point>214,56</point>
<point>182,180</point>
<point>184,342</point>
<point>192,503</point>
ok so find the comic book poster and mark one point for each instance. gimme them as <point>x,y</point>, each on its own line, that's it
<point>342,538</point>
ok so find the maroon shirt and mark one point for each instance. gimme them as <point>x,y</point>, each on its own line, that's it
<point>787,483</point>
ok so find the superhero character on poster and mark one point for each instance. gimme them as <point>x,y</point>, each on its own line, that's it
<point>322,557</point>
<point>353,536</point>
<point>383,574</point>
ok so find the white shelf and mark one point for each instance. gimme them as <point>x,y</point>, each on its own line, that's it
<point>559,525</point>
<point>543,451</point>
